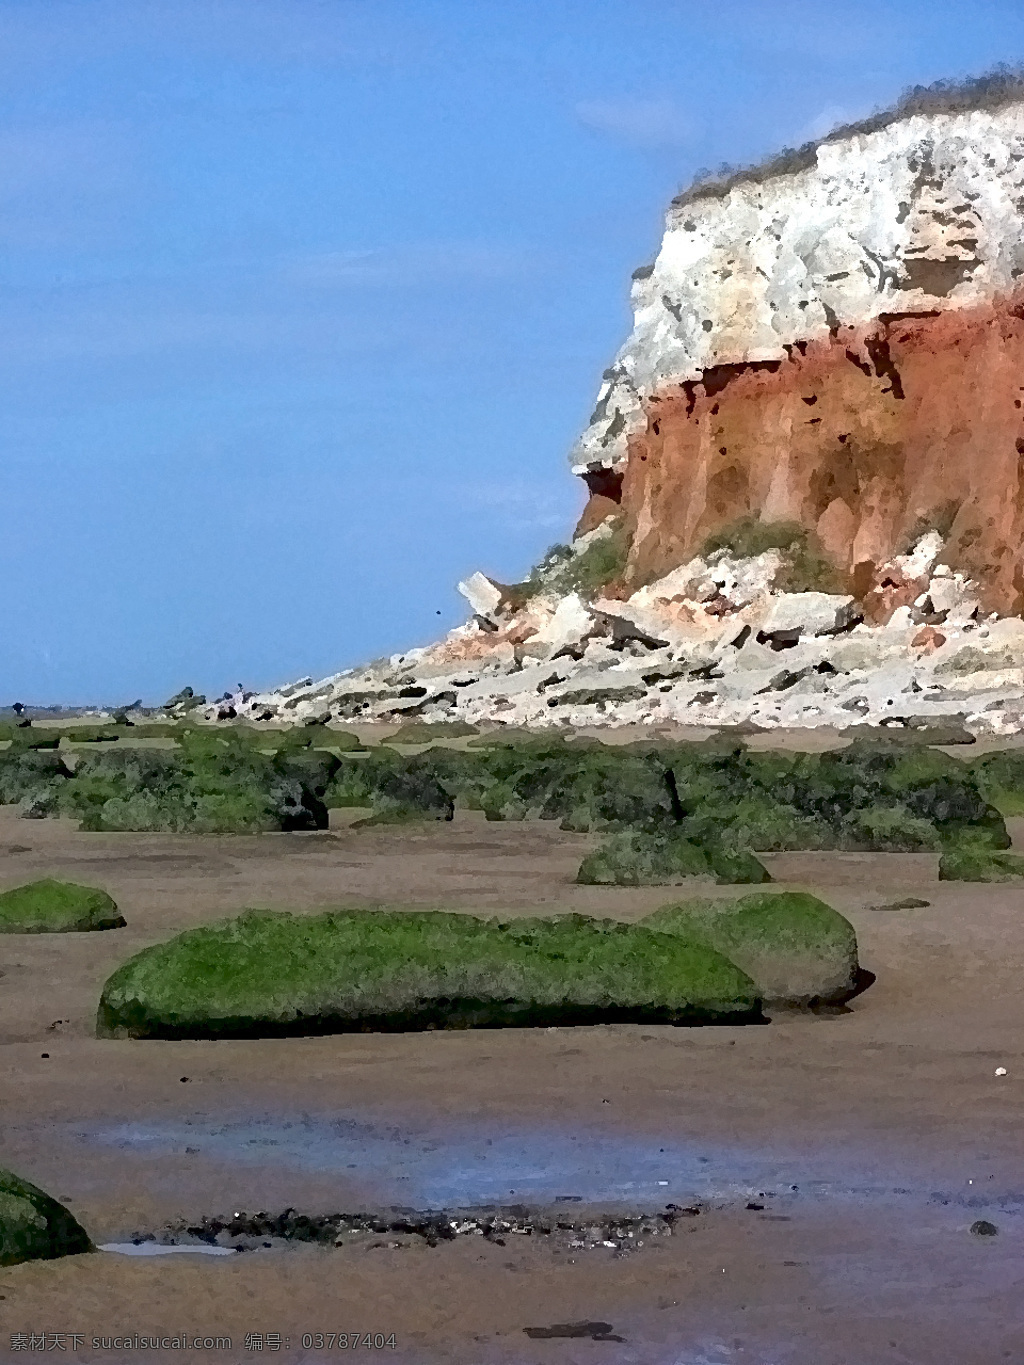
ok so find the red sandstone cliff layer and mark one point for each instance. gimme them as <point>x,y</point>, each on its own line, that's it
<point>869,438</point>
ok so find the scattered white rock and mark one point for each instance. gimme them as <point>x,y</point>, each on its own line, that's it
<point>568,625</point>
<point>918,563</point>
<point>712,643</point>
<point>808,613</point>
<point>481,594</point>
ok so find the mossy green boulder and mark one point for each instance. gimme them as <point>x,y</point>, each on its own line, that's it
<point>93,734</point>
<point>797,949</point>
<point>666,858</point>
<point>1000,776</point>
<point>55,907</point>
<point>974,863</point>
<point>972,854</point>
<point>35,1227</point>
<point>271,974</point>
<point>890,829</point>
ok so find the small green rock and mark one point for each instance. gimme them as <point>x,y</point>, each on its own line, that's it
<point>34,1227</point>
<point>973,863</point>
<point>795,947</point>
<point>891,829</point>
<point>55,907</point>
<point>665,858</point>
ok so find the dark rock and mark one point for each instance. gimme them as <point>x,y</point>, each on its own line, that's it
<point>34,1226</point>
<point>781,682</point>
<point>185,698</point>
<point>593,696</point>
<point>596,1331</point>
<point>667,673</point>
<point>779,639</point>
<point>907,903</point>
<point>621,631</point>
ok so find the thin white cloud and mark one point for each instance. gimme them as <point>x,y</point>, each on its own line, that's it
<point>644,123</point>
<point>514,504</point>
<point>403,266</point>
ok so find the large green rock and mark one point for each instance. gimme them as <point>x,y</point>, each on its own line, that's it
<point>34,1227</point>
<point>666,858</point>
<point>796,948</point>
<point>54,907</point>
<point>269,974</point>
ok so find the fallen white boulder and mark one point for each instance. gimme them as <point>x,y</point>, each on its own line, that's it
<point>481,594</point>
<point>808,613</point>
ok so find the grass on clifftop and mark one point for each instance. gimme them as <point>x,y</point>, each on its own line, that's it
<point>270,974</point>
<point>55,907</point>
<point>796,948</point>
<point>993,89</point>
<point>565,569</point>
<point>33,1226</point>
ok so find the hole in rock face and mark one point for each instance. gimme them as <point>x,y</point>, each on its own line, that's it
<point>604,483</point>
<point>862,577</point>
<point>939,277</point>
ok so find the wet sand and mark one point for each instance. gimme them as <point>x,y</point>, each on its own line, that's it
<point>889,1119</point>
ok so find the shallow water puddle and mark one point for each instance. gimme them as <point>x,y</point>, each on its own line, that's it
<point>467,1165</point>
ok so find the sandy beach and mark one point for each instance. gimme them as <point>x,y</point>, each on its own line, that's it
<point>868,1141</point>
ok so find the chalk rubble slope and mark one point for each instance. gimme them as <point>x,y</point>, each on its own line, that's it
<point>712,643</point>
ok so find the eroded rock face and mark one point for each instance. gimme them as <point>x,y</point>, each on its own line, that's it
<point>811,446</point>
<point>841,347</point>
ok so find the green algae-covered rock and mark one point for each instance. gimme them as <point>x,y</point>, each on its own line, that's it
<point>796,948</point>
<point>890,829</point>
<point>34,1227</point>
<point>666,858</point>
<point>972,854</point>
<point>974,863</point>
<point>269,974</point>
<point>93,734</point>
<point>55,907</point>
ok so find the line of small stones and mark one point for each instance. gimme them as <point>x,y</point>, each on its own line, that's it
<point>434,1228</point>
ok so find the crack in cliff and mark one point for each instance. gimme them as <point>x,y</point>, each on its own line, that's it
<point>878,349</point>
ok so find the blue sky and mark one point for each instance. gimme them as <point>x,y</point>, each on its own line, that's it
<point>304,301</point>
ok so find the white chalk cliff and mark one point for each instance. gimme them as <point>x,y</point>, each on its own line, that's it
<point>806,465</point>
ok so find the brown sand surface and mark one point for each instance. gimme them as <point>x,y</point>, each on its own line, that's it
<point>891,1111</point>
